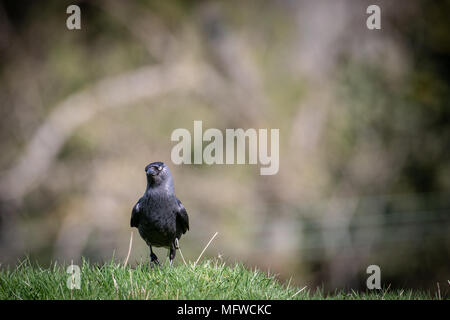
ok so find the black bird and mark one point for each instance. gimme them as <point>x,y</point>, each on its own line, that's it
<point>159,216</point>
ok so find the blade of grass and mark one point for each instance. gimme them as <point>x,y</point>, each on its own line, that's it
<point>298,292</point>
<point>129,249</point>
<point>198,259</point>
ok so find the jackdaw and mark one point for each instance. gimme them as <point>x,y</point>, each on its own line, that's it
<point>159,216</point>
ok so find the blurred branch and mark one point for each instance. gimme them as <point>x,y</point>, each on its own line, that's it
<point>147,28</point>
<point>118,91</point>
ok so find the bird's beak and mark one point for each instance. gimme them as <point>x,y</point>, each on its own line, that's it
<point>152,172</point>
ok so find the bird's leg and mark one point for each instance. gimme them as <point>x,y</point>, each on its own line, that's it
<point>172,253</point>
<point>153,258</point>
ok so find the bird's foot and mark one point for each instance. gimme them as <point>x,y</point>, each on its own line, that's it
<point>152,263</point>
<point>154,260</point>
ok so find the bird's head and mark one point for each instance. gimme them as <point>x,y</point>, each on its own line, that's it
<point>158,174</point>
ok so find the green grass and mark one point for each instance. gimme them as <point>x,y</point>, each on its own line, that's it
<point>211,279</point>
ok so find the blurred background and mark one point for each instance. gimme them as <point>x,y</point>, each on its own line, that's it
<point>364,133</point>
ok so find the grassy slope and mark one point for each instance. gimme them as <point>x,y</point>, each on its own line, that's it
<point>208,280</point>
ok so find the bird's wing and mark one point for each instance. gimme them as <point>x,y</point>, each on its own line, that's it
<point>182,217</point>
<point>135,214</point>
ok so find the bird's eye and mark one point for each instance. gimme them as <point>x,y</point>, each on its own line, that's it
<point>159,168</point>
